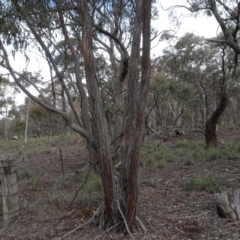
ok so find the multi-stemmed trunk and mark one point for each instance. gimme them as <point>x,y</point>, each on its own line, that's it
<point>120,192</point>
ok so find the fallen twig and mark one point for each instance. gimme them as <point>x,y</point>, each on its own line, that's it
<point>75,229</point>
<point>153,185</point>
<point>141,224</point>
<point>232,179</point>
<point>193,216</point>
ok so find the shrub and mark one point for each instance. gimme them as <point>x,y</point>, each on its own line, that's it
<point>190,151</point>
<point>188,144</point>
<point>209,184</point>
<point>213,154</point>
<point>28,174</point>
<point>46,151</point>
<point>156,155</point>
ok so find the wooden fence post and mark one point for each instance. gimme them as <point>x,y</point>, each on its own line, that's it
<point>9,186</point>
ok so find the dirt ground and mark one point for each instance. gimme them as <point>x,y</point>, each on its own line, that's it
<point>165,208</point>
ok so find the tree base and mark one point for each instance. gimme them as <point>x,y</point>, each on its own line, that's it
<point>227,210</point>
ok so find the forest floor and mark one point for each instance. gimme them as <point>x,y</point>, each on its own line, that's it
<point>179,181</point>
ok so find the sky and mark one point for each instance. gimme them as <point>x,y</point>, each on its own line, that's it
<point>201,26</point>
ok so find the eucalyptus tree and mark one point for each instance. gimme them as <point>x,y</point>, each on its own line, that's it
<point>197,71</point>
<point>118,31</point>
<point>227,14</point>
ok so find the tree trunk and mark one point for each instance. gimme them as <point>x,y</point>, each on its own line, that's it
<point>134,112</point>
<point>99,123</point>
<point>211,124</point>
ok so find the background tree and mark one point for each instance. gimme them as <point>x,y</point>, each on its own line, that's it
<point>227,15</point>
<point>7,102</point>
<point>197,73</point>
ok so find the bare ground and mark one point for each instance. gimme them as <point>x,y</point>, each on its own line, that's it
<point>165,208</point>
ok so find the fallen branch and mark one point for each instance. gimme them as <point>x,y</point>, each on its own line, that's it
<point>198,130</point>
<point>153,185</point>
<point>75,229</point>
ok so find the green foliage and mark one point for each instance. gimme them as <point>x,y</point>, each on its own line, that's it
<point>190,151</point>
<point>213,154</point>
<point>27,174</point>
<point>156,155</point>
<point>209,184</point>
<point>46,151</point>
<point>11,146</point>
<point>188,144</point>
<point>93,183</point>
<point>89,192</point>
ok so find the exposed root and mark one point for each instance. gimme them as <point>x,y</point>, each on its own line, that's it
<point>125,221</point>
<point>141,224</point>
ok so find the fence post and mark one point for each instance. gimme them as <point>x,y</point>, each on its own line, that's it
<point>9,186</point>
